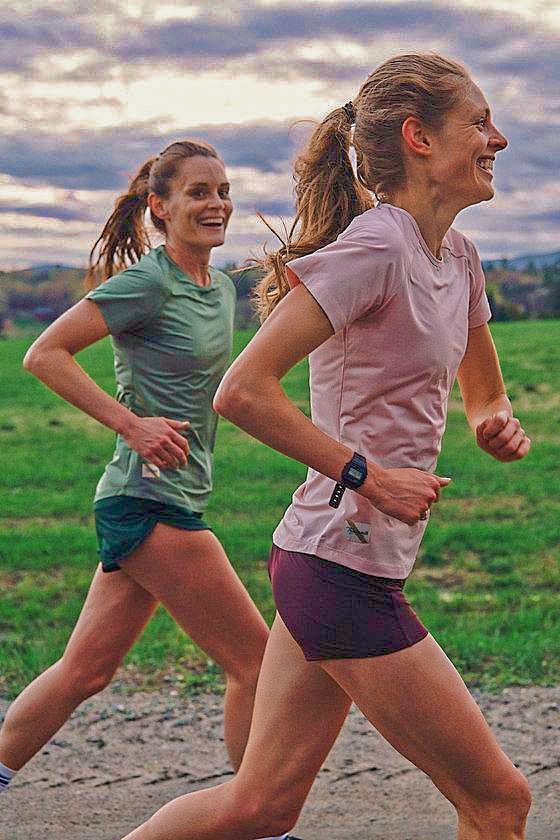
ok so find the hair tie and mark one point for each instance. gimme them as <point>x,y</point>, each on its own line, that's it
<point>350,112</point>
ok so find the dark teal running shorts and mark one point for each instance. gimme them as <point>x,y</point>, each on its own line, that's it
<point>123,522</point>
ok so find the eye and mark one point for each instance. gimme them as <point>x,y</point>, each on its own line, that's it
<point>224,193</point>
<point>482,122</point>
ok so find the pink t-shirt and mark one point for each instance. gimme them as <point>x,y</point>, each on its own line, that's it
<point>381,383</point>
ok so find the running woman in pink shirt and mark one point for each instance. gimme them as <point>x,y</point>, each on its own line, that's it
<point>388,301</point>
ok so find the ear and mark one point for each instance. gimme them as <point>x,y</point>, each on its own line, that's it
<point>157,206</point>
<point>416,136</point>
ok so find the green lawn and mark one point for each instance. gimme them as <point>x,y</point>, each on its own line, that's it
<point>486,583</point>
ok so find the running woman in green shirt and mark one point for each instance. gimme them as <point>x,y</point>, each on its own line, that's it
<point>170,317</point>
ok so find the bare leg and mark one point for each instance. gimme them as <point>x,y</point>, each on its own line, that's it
<point>419,703</point>
<point>189,572</point>
<point>414,697</point>
<point>114,613</point>
<point>299,711</point>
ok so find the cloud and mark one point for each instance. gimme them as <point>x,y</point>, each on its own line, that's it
<point>26,36</point>
<point>103,159</point>
<point>256,28</point>
<point>47,211</point>
<point>321,51</point>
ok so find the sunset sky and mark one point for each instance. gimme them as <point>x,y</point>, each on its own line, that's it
<point>89,90</point>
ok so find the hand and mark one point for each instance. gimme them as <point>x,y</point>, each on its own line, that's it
<point>502,437</point>
<point>407,494</point>
<point>157,440</point>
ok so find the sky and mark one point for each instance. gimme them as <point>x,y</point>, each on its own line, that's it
<point>90,90</point>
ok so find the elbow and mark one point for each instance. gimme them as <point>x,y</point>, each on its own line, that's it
<point>31,359</point>
<point>36,360</point>
<point>232,401</point>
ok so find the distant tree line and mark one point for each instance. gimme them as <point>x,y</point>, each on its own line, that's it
<point>42,294</point>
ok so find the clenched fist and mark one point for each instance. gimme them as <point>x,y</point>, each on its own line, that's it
<point>406,494</point>
<point>502,437</point>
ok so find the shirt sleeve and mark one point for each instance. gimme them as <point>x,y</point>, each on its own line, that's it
<point>354,275</point>
<point>129,300</point>
<point>479,308</point>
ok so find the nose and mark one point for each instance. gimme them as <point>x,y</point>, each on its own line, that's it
<point>498,140</point>
<point>216,200</point>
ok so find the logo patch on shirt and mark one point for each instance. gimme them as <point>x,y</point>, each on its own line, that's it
<point>150,471</point>
<point>357,531</point>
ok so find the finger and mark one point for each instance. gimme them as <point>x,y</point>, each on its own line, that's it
<point>494,424</point>
<point>523,449</point>
<point>174,453</point>
<point>179,441</point>
<point>503,437</point>
<point>480,439</point>
<point>508,446</point>
<point>511,451</point>
<point>176,424</point>
<point>442,482</point>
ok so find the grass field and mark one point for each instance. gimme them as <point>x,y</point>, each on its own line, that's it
<point>487,582</point>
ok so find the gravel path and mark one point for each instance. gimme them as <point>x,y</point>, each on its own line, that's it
<point>122,756</point>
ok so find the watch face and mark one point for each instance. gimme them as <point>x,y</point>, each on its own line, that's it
<point>353,472</point>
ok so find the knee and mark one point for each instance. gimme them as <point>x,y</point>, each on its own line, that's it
<point>267,821</point>
<point>506,806</point>
<point>519,795</point>
<point>84,679</point>
<point>243,676</point>
<point>244,668</point>
<point>264,813</point>
<point>513,796</point>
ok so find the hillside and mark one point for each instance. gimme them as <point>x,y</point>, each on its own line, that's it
<point>42,293</point>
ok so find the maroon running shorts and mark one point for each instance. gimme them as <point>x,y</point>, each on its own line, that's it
<point>334,612</point>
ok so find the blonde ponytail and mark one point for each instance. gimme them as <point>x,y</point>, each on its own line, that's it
<point>328,197</point>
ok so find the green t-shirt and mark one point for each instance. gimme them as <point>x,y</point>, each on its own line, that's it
<point>172,343</point>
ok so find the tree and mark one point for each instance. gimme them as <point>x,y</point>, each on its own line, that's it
<point>3,310</point>
<point>532,268</point>
<point>551,280</point>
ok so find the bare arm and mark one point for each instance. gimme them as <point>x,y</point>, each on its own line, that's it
<point>51,359</point>
<point>251,396</point>
<point>487,406</point>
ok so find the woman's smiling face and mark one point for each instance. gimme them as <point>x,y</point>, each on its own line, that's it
<point>198,208</point>
<point>465,151</point>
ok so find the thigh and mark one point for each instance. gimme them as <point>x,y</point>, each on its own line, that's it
<point>298,713</point>
<point>115,612</point>
<point>189,572</point>
<point>416,699</point>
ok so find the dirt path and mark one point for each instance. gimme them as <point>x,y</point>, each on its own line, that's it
<point>121,757</point>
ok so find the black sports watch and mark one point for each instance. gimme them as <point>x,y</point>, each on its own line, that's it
<point>354,473</point>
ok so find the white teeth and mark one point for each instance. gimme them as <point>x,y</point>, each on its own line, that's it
<point>486,163</point>
<point>211,221</point>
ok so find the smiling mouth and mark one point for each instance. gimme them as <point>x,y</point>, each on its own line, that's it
<point>212,223</point>
<point>486,164</point>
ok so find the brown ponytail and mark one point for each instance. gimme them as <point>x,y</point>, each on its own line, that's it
<point>328,197</point>
<point>124,238</point>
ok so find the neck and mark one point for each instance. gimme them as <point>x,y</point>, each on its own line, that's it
<point>192,261</point>
<point>433,214</point>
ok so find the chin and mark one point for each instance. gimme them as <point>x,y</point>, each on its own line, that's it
<point>481,195</point>
<point>212,241</point>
